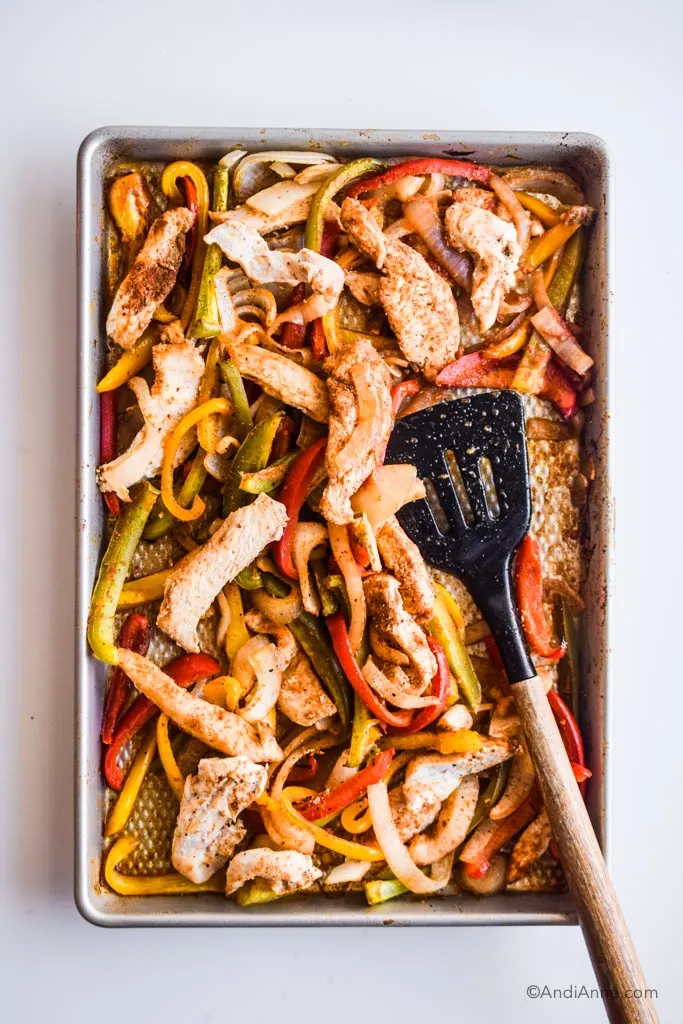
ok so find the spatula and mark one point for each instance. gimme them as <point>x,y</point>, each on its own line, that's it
<point>471,453</point>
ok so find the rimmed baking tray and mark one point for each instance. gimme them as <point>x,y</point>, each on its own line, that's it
<point>584,155</point>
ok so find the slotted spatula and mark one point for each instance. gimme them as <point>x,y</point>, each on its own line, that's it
<point>474,535</point>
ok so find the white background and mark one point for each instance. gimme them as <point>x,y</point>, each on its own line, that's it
<point>65,68</point>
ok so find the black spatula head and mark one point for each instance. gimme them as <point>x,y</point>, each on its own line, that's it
<point>484,515</point>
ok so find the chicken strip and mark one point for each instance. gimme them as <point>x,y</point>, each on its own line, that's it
<point>403,559</point>
<point>451,825</point>
<point>391,625</point>
<point>218,728</point>
<point>285,870</point>
<point>437,775</point>
<point>410,819</point>
<point>151,278</point>
<point>302,698</point>
<point>208,828</point>
<point>364,287</point>
<point>282,378</point>
<point>359,386</point>
<point>532,844</point>
<point>245,246</point>
<point>493,242</point>
<point>178,371</point>
<point>192,587</point>
<point>419,304</point>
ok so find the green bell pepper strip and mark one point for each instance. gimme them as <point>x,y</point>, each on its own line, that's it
<point>335,584</point>
<point>113,571</point>
<point>265,480</point>
<point>161,520</point>
<point>347,173</point>
<point>252,455</point>
<point>446,632</point>
<point>249,578</point>
<point>490,796</point>
<point>569,667</point>
<point>328,600</point>
<point>382,889</point>
<point>232,378</point>
<point>207,322</point>
<point>256,892</point>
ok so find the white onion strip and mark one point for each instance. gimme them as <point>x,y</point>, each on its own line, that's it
<point>350,570</point>
<point>512,204</point>
<point>307,537</point>
<point>395,853</point>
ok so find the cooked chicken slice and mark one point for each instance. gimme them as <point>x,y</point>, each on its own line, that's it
<point>412,818</point>
<point>264,223</point>
<point>302,698</point>
<point>477,197</point>
<point>363,230</point>
<point>208,829</point>
<point>493,242</point>
<point>359,385</point>
<point>364,287</point>
<point>532,844</point>
<point>282,378</point>
<point>210,723</point>
<point>192,587</point>
<point>403,559</point>
<point>285,870</point>
<point>151,278</point>
<point>391,624</point>
<point>520,782</point>
<point>439,774</point>
<point>244,245</point>
<point>178,370</point>
<point>451,825</point>
<point>419,304</point>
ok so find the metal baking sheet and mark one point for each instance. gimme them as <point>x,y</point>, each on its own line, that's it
<point>584,155</point>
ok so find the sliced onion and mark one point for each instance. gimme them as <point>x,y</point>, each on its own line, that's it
<point>383,686</point>
<point>280,610</point>
<point>555,331</point>
<point>442,869</point>
<point>478,841</point>
<point>349,871</point>
<point>341,771</point>
<point>495,337</point>
<point>387,490</point>
<point>396,854</point>
<point>368,414</point>
<point>545,180</point>
<point>456,718</point>
<point>258,303</point>
<point>513,304</point>
<point>399,229</point>
<point>266,690</point>
<point>350,570</point>
<point>255,166</point>
<point>226,307</point>
<point>279,197</point>
<point>491,882</point>
<point>307,537</point>
<point>424,219</point>
<point>278,824</point>
<point>521,218</point>
<point>406,187</point>
<point>316,172</point>
<point>541,297</point>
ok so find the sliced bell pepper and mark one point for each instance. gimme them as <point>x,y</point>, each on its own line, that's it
<point>355,851</point>
<point>108,443</point>
<point>332,801</point>
<point>265,480</point>
<point>445,629</point>
<point>189,190</point>
<point>558,389</point>
<point>529,585</point>
<point>304,773</point>
<point>207,428</point>
<point>315,225</point>
<point>185,515</point>
<point>251,456</point>
<point>364,732</point>
<point>131,208</point>
<point>474,370</point>
<point>113,571</point>
<point>129,363</point>
<point>150,885</point>
<point>174,776</point>
<point>401,391</point>
<point>342,648</point>
<point>310,637</point>
<point>293,335</point>
<point>461,741</point>
<point>441,688</point>
<point>508,828</point>
<point>547,216</point>
<point>134,636</point>
<point>169,185</point>
<point>543,247</point>
<point>292,496</point>
<point>317,339</point>
<point>491,795</point>
<point>123,808</point>
<point>422,165</point>
<point>571,737</point>
<point>238,633</point>
<point>184,670</point>
<point>206,322</point>
<point>161,521</point>
<point>233,379</point>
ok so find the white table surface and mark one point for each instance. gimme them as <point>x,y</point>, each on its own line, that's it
<point>66,68</point>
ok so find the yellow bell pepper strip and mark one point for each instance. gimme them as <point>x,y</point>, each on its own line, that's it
<point>163,315</point>
<point>328,840</point>
<point>206,322</point>
<point>144,590</point>
<point>249,578</point>
<point>547,216</point>
<point>129,363</point>
<point>169,186</point>
<point>462,741</point>
<point>207,430</point>
<point>332,801</point>
<point>251,456</point>
<point>237,634</point>
<point>443,627</point>
<point>508,346</point>
<point>150,885</point>
<point>113,571</point>
<point>161,521</point>
<point>315,225</point>
<point>174,776</point>
<point>379,890</point>
<point>452,607</point>
<point>125,802</point>
<point>242,412</point>
<point>364,732</point>
<point>356,818</point>
<point>255,893</point>
<point>543,247</point>
<point>265,480</point>
<point>186,515</point>
<point>131,208</point>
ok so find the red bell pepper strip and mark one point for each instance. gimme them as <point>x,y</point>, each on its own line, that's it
<point>283,438</point>
<point>134,636</point>
<point>342,648</point>
<point>328,247</point>
<point>474,370</point>
<point>361,554</point>
<point>332,801</point>
<point>558,388</point>
<point>304,773</point>
<point>441,688</point>
<point>571,737</point>
<point>292,496</point>
<point>529,584</point>
<point>401,391</point>
<point>508,828</point>
<point>316,336</point>
<point>421,165</point>
<point>108,445</point>
<point>185,670</point>
<point>190,194</point>
<point>294,335</point>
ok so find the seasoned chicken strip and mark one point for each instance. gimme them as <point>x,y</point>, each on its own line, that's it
<point>282,378</point>
<point>363,230</point>
<point>411,819</point>
<point>437,775</point>
<point>403,559</point>
<point>394,627</point>
<point>285,870</point>
<point>244,245</point>
<point>532,844</point>
<point>151,277</point>
<point>208,829</point>
<point>364,287</point>
<point>494,244</point>
<point>451,825</point>
<point>359,386</point>
<point>210,723</point>
<point>192,587</point>
<point>178,371</point>
<point>302,698</point>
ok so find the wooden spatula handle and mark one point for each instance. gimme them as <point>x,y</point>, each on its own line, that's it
<point>614,957</point>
